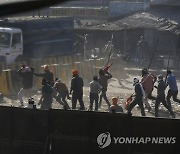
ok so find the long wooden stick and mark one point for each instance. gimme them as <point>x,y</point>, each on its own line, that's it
<point>167,66</point>
<point>153,54</point>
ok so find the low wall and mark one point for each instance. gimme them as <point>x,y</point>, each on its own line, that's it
<point>61,67</point>
<point>57,131</point>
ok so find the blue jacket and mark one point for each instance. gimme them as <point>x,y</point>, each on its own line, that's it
<point>138,91</point>
<point>171,81</point>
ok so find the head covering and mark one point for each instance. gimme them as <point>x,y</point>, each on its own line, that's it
<point>46,68</point>
<point>95,77</point>
<point>26,69</point>
<point>144,71</point>
<point>75,72</point>
<point>169,72</point>
<point>114,100</point>
<point>160,77</point>
<point>101,72</point>
<point>135,81</point>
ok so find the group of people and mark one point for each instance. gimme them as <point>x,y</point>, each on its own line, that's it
<point>58,90</point>
<point>98,87</point>
<point>143,92</point>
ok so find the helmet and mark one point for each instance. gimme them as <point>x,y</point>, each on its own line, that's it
<point>46,68</point>
<point>135,80</point>
<point>75,72</point>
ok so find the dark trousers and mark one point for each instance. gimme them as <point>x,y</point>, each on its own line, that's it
<point>172,93</point>
<point>151,97</point>
<point>161,98</point>
<point>61,98</point>
<point>136,101</point>
<point>78,97</point>
<point>93,97</point>
<point>47,102</point>
<point>103,95</point>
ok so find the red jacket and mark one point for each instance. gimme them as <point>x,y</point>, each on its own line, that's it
<point>148,81</point>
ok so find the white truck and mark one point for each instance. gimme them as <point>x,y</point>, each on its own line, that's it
<point>24,39</point>
<point>11,44</point>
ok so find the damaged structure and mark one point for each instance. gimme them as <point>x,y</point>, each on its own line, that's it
<point>160,31</point>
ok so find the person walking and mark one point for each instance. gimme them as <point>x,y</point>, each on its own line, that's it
<point>161,97</point>
<point>147,81</point>
<point>63,92</point>
<point>173,88</point>
<point>141,51</point>
<point>26,73</point>
<point>77,90</point>
<point>103,80</point>
<point>47,95</point>
<point>115,107</point>
<point>95,88</point>
<point>47,75</point>
<point>139,94</point>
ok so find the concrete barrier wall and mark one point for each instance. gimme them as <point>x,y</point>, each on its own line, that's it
<point>31,131</point>
<point>10,82</point>
<point>61,67</point>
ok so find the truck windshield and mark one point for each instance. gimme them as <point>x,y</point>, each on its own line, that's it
<point>5,39</point>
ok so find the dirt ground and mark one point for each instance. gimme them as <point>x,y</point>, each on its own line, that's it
<point>121,88</point>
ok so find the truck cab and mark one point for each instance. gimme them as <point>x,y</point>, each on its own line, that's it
<point>11,44</point>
